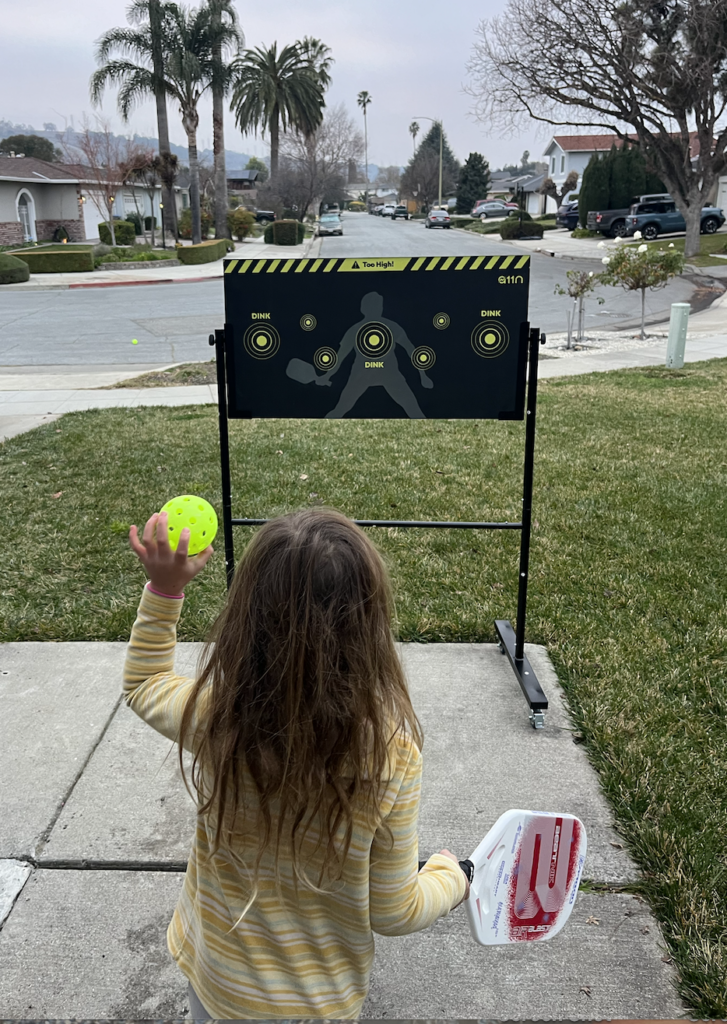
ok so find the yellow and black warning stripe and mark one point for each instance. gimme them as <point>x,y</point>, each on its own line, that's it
<point>374,264</point>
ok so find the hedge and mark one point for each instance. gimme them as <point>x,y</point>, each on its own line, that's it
<point>56,261</point>
<point>124,230</point>
<point>512,228</point>
<point>205,252</point>
<point>284,232</point>
<point>13,270</point>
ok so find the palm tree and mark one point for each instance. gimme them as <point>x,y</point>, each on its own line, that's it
<point>319,57</point>
<point>414,131</point>
<point>187,50</point>
<point>363,99</point>
<point>147,45</point>
<point>226,35</point>
<point>275,90</point>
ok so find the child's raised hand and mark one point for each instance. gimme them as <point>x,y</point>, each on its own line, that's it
<point>168,571</point>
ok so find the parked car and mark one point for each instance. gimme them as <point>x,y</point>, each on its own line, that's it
<point>493,208</point>
<point>264,216</point>
<point>613,222</point>
<point>388,210</point>
<point>654,219</point>
<point>437,218</point>
<point>400,211</point>
<point>330,224</point>
<point>567,216</point>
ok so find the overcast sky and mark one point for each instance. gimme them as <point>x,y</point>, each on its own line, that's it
<point>409,54</point>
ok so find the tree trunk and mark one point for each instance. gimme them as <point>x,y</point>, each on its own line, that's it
<point>274,142</point>
<point>162,120</point>
<point>694,223</point>
<point>218,146</point>
<point>151,194</point>
<point>194,199</point>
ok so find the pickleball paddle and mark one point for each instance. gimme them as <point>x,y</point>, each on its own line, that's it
<point>524,877</point>
<point>301,371</point>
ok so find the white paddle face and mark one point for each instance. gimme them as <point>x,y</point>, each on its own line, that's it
<point>527,870</point>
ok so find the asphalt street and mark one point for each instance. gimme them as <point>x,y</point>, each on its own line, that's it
<point>96,327</point>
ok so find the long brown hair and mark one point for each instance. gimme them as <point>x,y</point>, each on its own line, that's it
<point>305,686</point>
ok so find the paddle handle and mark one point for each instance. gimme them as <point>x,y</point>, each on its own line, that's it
<point>466,865</point>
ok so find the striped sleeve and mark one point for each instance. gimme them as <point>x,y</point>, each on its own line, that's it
<point>150,686</point>
<point>401,900</point>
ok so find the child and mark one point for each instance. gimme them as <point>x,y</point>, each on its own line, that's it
<point>302,705</point>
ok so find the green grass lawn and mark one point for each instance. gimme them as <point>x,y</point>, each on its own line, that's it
<point>708,244</point>
<point>627,590</point>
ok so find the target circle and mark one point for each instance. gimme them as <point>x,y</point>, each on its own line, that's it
<point>325,358</point>
<point>423,357</point>
<point>261,341</point>
<point>490,339</point>
<point>374,339</point>
<point>308,322</point>
<point>440,321</point>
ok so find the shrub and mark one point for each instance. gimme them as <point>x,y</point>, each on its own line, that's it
<point>135,219</point>
<point>584,233</point>
<point>60,234</point>
<point>147,223</point>
<point>205,252</point>
<point>240,222</point>
<point>12,269</point>
<point>56,262</point>
<point>517,214</point>
<point>102,249</point>
<point>185,223</point>
<point>512,228</point>
<point>124,230</point>
<point>284,232</point>
<point>356,206</point>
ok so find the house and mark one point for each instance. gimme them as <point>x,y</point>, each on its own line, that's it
<point>36,197</point>
<point>505,185</point>
<point>566,153</point>
<point>242,181</point>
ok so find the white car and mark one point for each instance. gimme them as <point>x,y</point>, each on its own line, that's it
<point>388,210</point>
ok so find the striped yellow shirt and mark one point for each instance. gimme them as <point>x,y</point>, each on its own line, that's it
<point>312,956</point>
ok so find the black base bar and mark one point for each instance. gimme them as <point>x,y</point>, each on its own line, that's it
<point>405,523</point>
<point>525,675</point>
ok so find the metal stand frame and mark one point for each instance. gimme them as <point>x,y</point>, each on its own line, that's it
<point>512,642</point>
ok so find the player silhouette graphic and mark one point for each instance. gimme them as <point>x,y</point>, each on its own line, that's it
<point>374,340</point>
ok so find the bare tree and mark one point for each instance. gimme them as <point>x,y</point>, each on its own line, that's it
<point>106,157</point>
<point>144,168</point>
<point>549,187</point>
<point>389,177</point>
<point>420,179</point>
<point>314,167</point>
<point>657,68</point>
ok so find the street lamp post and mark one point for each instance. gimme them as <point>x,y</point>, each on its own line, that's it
<point>161,211</point>
<point>441,141</point>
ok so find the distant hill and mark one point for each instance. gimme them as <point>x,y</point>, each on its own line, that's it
<point>234,161</point>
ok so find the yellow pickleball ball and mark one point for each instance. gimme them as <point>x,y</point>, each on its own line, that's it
<point>197,515</point>
<point>134,341</point>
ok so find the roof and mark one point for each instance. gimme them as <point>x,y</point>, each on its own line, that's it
<point>599,143</point>
<point>29,168</point>
<point>246,175</point>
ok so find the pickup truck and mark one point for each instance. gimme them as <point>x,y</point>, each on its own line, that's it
<point>264,216</point>
<point>653,219</point>
<point>613,222</point>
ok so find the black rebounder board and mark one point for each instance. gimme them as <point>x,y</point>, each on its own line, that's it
<point>377,338</point>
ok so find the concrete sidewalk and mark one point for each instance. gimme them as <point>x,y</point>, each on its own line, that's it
<point>95,828</point>
<point>251,248</point>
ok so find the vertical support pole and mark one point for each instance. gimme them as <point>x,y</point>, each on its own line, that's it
<point>535,340</point>
<point>218,340</point>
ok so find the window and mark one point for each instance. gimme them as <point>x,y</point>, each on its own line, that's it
<point>562,163</point>
<point>185,200</point>
<point>552,167</point>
